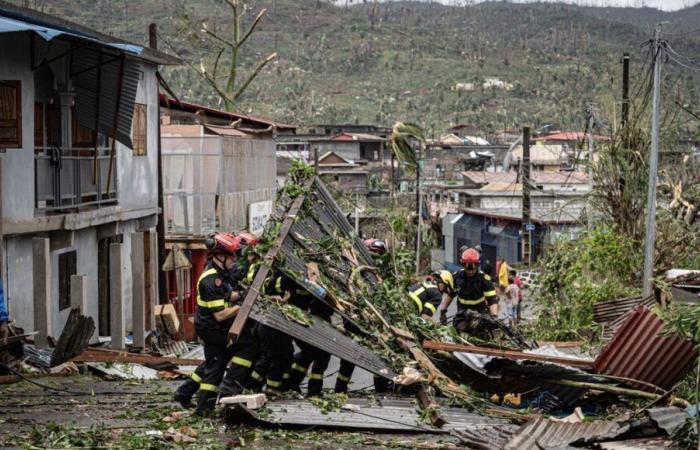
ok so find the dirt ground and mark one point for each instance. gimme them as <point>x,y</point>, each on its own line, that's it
<point>88,412</point>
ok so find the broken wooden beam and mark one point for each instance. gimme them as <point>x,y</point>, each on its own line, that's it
<point>262,273</point>
<point>104,355</point>
<point>508,354</point>
<point>429,404</point>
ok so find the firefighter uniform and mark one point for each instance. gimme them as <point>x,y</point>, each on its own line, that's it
<point>473,292</point>
<point>214,290</point>
<point>276,355</point>
<point>310,356</point>
<point>426,296</point>
<point>347,368</point>
<point>247,347</point>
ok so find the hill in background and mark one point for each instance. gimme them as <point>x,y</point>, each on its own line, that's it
<point>422,62</point>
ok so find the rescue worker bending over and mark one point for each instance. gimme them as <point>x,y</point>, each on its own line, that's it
<point>427,295</point>
<point>216,295</point>
<point>474,290</point>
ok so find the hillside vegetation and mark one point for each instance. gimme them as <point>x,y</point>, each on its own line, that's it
<point>405,60</point>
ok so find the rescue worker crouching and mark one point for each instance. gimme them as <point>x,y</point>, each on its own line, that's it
<point>428,294</point>
<point>474,291</point>
<point>216,295</point>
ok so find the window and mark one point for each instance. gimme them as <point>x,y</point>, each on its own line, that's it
<point>66,269</point>
<point>138,132</point>
<point>10,114</point>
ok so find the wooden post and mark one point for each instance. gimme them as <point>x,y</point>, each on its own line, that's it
<point>41,265</point>
<point>116,312</point>
<point>526,232</point>
<point>138,291</point>
<point>265,267</point>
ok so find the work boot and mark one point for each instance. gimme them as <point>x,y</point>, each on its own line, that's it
<point>341,387</point>
<point>183,394</point>
<point>315,387</point>
<point>205,403</point>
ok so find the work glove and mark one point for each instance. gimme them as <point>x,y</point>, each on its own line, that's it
<point>443,317</point>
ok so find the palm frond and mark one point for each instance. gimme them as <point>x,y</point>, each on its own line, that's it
<point>403,134</point>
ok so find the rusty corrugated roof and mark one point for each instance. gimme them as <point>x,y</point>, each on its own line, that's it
<point>544,433</point>
<point>494,438</point>
<point>613,313</point>
<point>637,351</point>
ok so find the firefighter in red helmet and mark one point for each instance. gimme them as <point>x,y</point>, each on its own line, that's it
<point>217,295</point>
<point>473,288</point>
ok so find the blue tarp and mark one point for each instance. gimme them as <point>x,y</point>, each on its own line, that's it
<point>8,25</point>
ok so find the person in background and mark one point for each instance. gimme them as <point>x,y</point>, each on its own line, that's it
<point>4,318</point>
<point>511,299</point>
<point>519,283</point>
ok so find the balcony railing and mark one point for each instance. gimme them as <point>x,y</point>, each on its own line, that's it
<point>72,179</point>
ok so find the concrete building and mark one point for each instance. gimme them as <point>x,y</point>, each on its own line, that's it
<point>79,171</point>
<point>342,174</point>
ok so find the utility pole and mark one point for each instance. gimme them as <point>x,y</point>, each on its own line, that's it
<point>653,167</point>
<point>527,226</point>
<point>625,88</point>
<point>418,208</point>
<point>589,138</point>
<point>160,226</point>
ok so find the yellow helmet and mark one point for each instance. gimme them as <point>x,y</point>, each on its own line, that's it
<point>446,277</point>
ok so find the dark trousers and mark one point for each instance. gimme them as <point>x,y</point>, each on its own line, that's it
<point>347,368</point>
<point>275,357</point>
<point>216,356</point>
<point>316,359</point>
<point>241,364</point>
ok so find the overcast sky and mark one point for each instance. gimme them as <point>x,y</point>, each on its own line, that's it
<point>666,5</point>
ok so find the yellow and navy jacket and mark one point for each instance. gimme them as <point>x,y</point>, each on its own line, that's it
<point>214,290</point>
<point>475,292</point>
<point>426,296</point>
<point>279,284</point>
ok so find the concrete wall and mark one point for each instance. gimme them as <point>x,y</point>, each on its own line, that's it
<point>17,176</point>
<point>138,175</point>
<point>348,150</point>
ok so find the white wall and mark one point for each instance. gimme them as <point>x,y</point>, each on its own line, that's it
<point>138,175</point>
<point>17,176</point>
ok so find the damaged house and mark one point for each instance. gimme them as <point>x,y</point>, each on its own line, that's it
<point>79,168</point>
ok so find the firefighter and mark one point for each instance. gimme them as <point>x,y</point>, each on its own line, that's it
<point>427,295</point>
<point>276,348</point>
<point>474,291</point>
<point>216,295</point>
<point>310,357</point>
<point>247,347</point>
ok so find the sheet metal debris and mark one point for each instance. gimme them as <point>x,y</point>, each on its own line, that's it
<point>74,338</point>
<point>637,351</point>
<point>612,314</point>
<point>668,419</point>
<point>543,433</point>
<point>494,438</point>
<point>388,415</point>
<point>125,371</point>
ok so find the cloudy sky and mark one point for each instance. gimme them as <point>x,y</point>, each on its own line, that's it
<point>666,5</point>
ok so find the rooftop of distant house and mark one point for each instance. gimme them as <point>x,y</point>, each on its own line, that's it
<point>572,136</point>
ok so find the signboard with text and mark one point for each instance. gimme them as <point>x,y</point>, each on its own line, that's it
<point>258,215</point>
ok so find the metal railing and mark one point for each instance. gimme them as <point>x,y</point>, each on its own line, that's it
<point>68,179</point>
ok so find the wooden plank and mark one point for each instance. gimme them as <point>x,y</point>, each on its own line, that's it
<point>427,402</point>
<point>254,290</point>
<point>507,354</point>
<point>104,355</point>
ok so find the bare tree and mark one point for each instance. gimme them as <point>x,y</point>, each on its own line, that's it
<point>223,73</point>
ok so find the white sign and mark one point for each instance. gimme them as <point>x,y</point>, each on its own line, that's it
<point>258,215</point>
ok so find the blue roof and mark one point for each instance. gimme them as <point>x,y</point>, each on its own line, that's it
<point>9,25</point>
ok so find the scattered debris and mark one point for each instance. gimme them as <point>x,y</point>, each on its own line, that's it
<point>74,339</point>
<point>124,371</point>
<point>251,401</point>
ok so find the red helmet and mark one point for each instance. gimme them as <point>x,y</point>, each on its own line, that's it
<point>376,246</point>
<point>245,240</point>
<point>469,256</point>
<point>222,244</point>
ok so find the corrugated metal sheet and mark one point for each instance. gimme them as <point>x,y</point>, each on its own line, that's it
<point>638,352</point>
<point>322,335</point>
<point>107,76</point>
<point>668,419</point>
<point>543,433</point>
<point>637,444</point>
<point>494,438</point>
<point>387,414</point>
<point>610,310</point>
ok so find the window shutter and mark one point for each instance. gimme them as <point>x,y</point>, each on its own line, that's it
<point>10,114</point>
<point>139,135</point>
